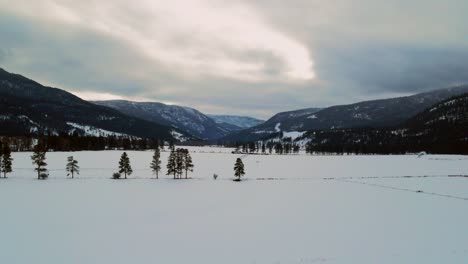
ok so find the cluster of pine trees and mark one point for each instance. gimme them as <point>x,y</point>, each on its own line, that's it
<point>179,162</point>
<point>286,146</point>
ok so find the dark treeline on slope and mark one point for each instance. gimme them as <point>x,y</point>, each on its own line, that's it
<point>78,143</point>
<point>440,129</point>
<point>285,146</point>
<point>381,141</point>
<point>29,108</point>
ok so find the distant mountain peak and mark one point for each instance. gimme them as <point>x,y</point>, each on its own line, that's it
<point>185,118</point>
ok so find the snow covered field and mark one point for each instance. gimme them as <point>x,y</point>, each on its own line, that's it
<point>289,209</point>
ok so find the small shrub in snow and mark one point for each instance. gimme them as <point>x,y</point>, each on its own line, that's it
<point>116,175</point>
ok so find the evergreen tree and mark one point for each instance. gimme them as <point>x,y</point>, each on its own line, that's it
<point>171,164</point>
<point>6,160</point>
<point>179,162</point>
<point>270,147</point>
<point>72,167</point>
<point>124,165</point>
<point>161,144</point>
<point>244,148</point>
<point>171,145</point>
<point>1,155</point>
<point>188,163</point>
<point>252,147</point>
<point>239,169</point>
<point>38,158</point>
<point>156,163</point>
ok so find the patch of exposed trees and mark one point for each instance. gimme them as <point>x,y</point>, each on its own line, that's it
<point>285,146</point>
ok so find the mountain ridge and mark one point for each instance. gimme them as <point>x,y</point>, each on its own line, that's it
<point>374,113</point>
<point>186,118</point>
<point>28,107</point>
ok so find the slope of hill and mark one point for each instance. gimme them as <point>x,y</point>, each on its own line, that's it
<point>233,122</point>
<point>375,113</point>
<point>185,118</point>
<point>27,107</point>
<point>441,128</point>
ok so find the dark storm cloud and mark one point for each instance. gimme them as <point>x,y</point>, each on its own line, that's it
<point>379,67</point>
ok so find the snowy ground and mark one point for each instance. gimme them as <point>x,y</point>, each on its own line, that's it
<point>290,209</point>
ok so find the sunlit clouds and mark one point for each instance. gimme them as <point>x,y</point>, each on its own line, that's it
<point>195,37</point>
<point>254,57</point>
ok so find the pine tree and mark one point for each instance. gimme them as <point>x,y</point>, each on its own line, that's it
<point>239,169</point>
<point>161,144</point>
<point>6,160</point>
<point>156,163</point>
<point>188,163</point>
<point>72,167</point>
<point>179,162</point>
<point>38,158</point>
<point>171,145</point>
<point>1,155</point>
<point>124,165</point>
<point>171,164</point>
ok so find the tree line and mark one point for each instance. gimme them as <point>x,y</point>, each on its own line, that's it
<point>285,146</point>
<point>67,143</point>
<point>179,163</point>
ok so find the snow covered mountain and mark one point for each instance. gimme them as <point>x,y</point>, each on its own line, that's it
<point>184,118</point>
<point>375,113</point>
<point>27,107</point>
<point>234,122</point>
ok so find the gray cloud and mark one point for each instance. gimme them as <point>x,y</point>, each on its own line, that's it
<point>360,50</point>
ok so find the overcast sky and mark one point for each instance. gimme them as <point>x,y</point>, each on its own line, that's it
<point>253,57</point>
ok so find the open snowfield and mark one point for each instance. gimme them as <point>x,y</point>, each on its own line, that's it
<point>289,209</point>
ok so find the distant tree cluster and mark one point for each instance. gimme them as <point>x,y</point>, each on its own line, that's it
<point>443,139</point>
<point>65,142</point>
<point>285,146</point>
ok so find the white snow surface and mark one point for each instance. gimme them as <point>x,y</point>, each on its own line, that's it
<point>277,127</point>
<point>289,209</point>
<point>293,134</point>
<point>94,131</point>
<point>178,136</point>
